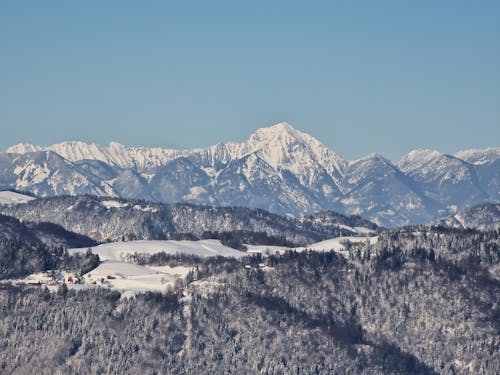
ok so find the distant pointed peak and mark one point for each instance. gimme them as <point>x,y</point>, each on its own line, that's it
<point>281,130</point>
<point>280,127</point>
<point>283,126</point>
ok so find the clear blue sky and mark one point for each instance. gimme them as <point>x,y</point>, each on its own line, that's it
<point>361,76</point>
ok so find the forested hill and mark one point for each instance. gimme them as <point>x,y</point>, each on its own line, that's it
<point>420,301</point>
<point>27,247</point>
<point>106,219</point>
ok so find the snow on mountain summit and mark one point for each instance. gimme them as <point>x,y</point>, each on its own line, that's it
<point>22,148</point>
<point>480,157</point>
<point>284,147</point>
<point>417,158</point>
<point>278,168</point>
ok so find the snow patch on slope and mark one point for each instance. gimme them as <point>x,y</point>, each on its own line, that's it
<point>114,204</point>
<point>8,197</point>
<point>120,250</point>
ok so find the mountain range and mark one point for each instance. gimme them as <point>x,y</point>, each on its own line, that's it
<point>279,169</point>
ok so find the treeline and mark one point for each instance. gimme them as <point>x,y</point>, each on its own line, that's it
<point>28,247</point>
<point>20,258</point>
<point>236,239</point>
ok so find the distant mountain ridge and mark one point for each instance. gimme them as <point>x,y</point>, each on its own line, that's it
<point>278,168</point>
<point>484,216</point>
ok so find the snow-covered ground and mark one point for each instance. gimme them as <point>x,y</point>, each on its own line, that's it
<point>117,274</point>
<point>335,244</point>
<point>133,278</point>
<point>120,250</point>
<point>127,278</point>
<point>114,204</point>
<point>10,197</point>
<point>358,230</point>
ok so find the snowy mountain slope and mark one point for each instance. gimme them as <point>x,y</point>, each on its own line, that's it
<point>46,173</point>
<point>278,168</point>
<point>480,157</point>
<point>283,147</point>
<point>376,188</point>
<point>483,217</point>
<point>115,154</point>
<point>445,178</point>
<point>487,164</point>
<point>180,180</point>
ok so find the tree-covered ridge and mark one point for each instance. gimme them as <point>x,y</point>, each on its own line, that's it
<point>105,219</point>
<point>421,301</point>
<point>27,247</point>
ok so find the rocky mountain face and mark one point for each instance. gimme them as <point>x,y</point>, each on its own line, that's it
<point>106,219</point>
<point>483,217</point>
<point>278,168</point>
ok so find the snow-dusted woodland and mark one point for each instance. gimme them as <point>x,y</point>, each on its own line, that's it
<point>279,169</point>
<point>415,300</point>
<point>104,219</point>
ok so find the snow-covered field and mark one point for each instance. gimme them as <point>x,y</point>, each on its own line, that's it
<point>203,248</point>
<point>10,197</point>
<point>127,278</point>
<point>117,274</point>
<point>133,278</point>
<point>335,244</point>
<point>114,272</point>
<point>118,251</point>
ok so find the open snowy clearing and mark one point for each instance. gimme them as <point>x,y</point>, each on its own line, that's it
<point>11,197</point>
<point>120,250</point>
<point>129,278</point>
<point>335,244</point>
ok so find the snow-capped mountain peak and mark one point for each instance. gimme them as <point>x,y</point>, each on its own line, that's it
<point>114,154</point>
<point>284,147</point>
<point>278,168</point>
